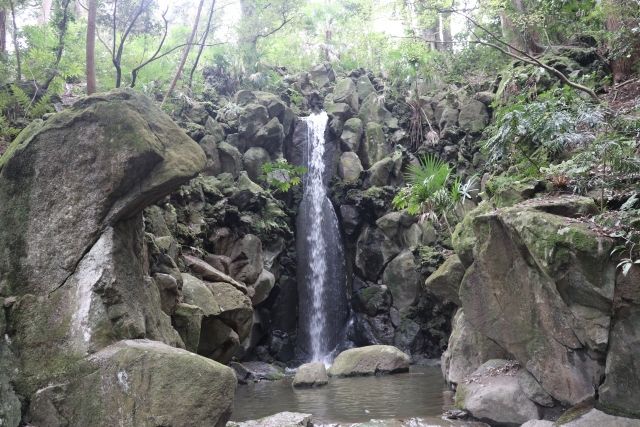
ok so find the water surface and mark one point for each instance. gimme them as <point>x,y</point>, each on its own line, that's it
<point>418,393</point>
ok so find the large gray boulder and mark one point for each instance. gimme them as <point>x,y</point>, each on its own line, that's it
<point>467,350</point>
<point>541,287</point>
<point>311,375</point>
<point>349,167</point>
<point>141,383</point>
<point>351,136</point>
<point>253,159</point>
<point>621,388</point>
<point>474,117</point>
<point>445,281</point>
<point>374,146</point>
<point>402,278</point>
<point>345,91</point>
<point>370,360</point>
<point>282,419</point>
<point>72,191</point>
<point>372,109</point>
<point>596,418</point>
<point>373,252</point>
<point>494,394</point>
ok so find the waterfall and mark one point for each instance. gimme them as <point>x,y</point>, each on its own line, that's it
<point>323,309</point>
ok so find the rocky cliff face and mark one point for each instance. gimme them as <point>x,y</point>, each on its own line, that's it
<point>85,338</point>
<point>225,221</point>
<point>541,290</point>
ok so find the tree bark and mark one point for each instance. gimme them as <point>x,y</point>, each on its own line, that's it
<point>185,53</point>
<point>3,31</point>
<point>15,42</point>
<point>203,44</point>
<point>91,47</point>
<point>62,33</point>
<point>45,12</point>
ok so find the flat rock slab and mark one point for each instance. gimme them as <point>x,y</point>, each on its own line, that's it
<point>370,360</point>
<point>256,371</point>
<point>283,419</point>
<point>595,418</point>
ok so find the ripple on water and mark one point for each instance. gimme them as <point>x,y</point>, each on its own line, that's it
<point>418,393</point>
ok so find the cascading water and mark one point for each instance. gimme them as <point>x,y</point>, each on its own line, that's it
<point>323,307</point>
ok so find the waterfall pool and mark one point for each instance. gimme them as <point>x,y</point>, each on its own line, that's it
<point>419,393</point>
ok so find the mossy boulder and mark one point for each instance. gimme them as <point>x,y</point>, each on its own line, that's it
<point>370,360</point>
<point>541,286</point>
<point>141,383</point>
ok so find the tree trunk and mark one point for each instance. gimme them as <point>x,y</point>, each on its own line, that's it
<point>3,31</point>
<point>203,44</point>
<point>15,41</point>
<point>62,25</point>
<point>45,12</point>
<point>621,66</point>
<point>524,39</point>
<point>445,36</point>
<point>185,53</point>
<point>91,47</point>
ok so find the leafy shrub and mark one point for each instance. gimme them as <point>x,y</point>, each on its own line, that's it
<point>541,130</point>
<point>281,175</point>
<point>430,191</point>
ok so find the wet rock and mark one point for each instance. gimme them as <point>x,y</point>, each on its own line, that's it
<point>283,419</point>
<point>169,290</point>
<point>373,252</point>
<point>402,278</point>
<point>370,360</point>
<point>322,75</point>
<point>541,287</point>
<point>374,146</point>
<point>197,293</point>
<point>214,130</point>
<point>493,394</point>
<point>262,287</point>
<point>210,147</point>
<point>467,350</point>
<point>345,91</point>
<point>351,136</point>
<point>474,117</point>
<point>135,382</point>
<point>256,371</point>
<point>380,173</point>
<point>372,109</point>
<point>364,88</point>
<point>373,300</point>
<point>445,281</point>
<point>596,418</point>
<point>253,159</point>
<point>621,388</point>
<point>246,259</point>
<point>270,137</point>
<point>187,320</point>
<point>350,218</point>
<point>252,118</point>
<point>230,159</point>
<point>349,167</point>
<point>311,375</point>
<point>207,272</point>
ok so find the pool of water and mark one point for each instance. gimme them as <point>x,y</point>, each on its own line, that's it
<point>419,393</point>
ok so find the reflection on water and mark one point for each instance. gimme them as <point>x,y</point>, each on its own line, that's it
<point>419,393</point>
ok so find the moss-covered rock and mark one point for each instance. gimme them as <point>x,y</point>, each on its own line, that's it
<point>370,360</point>
<point>142,383</point>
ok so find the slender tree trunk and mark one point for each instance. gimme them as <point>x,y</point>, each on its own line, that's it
<point>445,36</point>
<point>185,53</point>
<point>3,31</point>
<point>62,33</point>
<point>91,47</point>
<point>45,12</point>
<point>203,44</point>
<point>15,41</point>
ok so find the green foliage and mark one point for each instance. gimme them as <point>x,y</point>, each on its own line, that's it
<point>281,175</point>
<point>430,192</point>
<point>542,129</point>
